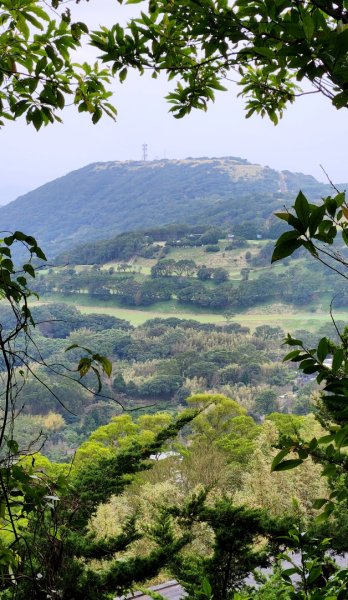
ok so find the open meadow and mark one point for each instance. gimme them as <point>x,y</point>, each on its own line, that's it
<point>274,315</point>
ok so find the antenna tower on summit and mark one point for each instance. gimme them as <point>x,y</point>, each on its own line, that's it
<point>144,147</point>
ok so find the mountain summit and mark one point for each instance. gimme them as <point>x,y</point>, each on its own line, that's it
<point>106,198</point>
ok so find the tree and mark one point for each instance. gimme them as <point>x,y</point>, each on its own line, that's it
<point>220,275</point>
<point>269,45</point>
<point>37,67</point>
<point>186,266</point>
<point>234,556</point>
<point>266,402</point>
<point>315,228</point>
<point>54,550</point>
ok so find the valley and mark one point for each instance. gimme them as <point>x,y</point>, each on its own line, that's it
<point>166,277</point>
<point>167,342</point>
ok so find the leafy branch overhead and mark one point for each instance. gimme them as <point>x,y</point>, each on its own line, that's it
<point>38,73</point>
<point>268,48</point>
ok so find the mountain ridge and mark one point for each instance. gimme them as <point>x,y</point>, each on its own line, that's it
<point>103,199</point>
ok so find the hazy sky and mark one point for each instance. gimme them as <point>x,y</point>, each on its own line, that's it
<point>311,133</point>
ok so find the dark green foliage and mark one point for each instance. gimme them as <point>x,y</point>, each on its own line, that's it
<point>162,385</point>
<point>270,45</point>
<point>298,285</point>
<point>97,482</point>
<point>218,275</point>
<point>69,546</point>
<point>236,530</point>
<point>211,236</point>
<point>59,320</point>
<point>38,69</point>
<point>212,248</point>
<point>266,402</point>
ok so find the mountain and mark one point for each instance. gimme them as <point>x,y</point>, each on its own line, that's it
<point>104,199</point>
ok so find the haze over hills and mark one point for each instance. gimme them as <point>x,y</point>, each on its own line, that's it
<point>103,199</point>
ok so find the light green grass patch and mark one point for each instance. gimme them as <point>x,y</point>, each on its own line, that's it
<point>280,315</point>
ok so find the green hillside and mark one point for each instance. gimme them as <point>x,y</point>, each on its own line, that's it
<point>103,199</point>
<point>138,277</point>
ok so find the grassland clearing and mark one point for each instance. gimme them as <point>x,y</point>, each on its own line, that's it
<point>283,316</point>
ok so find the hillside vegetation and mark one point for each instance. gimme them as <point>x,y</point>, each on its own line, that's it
<point>156,367</point>
<point>103,199</point>
<point>178,270</point>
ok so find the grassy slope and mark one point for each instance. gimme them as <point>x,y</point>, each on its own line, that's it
<point>311,318</point>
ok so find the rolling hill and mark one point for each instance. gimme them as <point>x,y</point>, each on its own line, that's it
<point>104,199</point>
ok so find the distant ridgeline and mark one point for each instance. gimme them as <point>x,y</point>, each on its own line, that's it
<point>105,199</point>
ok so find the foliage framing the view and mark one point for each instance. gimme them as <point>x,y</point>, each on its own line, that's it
<point>267,46</point>
<point>37,68</point>
<point>316,228</point>
<point>276,40</point>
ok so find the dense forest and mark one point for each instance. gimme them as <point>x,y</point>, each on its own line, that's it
<point>150,446</point>
<point>156,367</point>
<point>189,461</point>
<point>130,455</point>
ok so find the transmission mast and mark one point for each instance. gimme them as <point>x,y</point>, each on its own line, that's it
<point>144,147</point>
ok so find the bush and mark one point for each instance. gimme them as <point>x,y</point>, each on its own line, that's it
<point>212,248</point>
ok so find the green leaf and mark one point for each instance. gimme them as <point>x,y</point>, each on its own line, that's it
<point>316,218</point>
<point>22,281</point>
<point>13,446</point>
<point>289,572</point>
<point>337,359</point>
<point>308,26</point>
<point>279,457</point>
<point>28,268</point>
<point>319,503</point>
<point>36,118</point>
<point>313,444</point>
<point>287,236</point>
<point>285,249</point>
<point>340,198</point>
<point>323,349</point>
<point>84,365</point>
<point>286,465</point>
<point>291,355</point>
<point>326,439</point>
<point>123,74</point>
<point>284,216</point>
<point>314,573</point>
<point>104,362</point>
<point>264,51</point>
<point>302,209</point>
<point>39,253</point>
<point>206,587</point>
<point>329,471</point>
<point>6,263</point>
<point>97,115</point>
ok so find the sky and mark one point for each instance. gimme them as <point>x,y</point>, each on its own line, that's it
<point>311,133</point>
